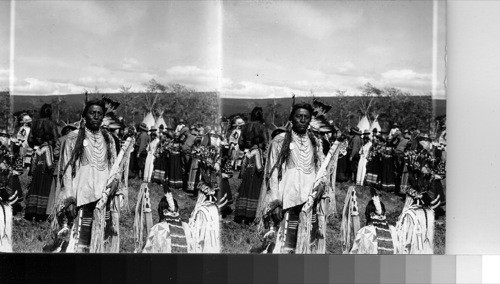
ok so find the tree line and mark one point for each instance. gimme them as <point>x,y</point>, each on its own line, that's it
<point>387,105</point>
<point>171,101</point>
<point>175,101</point>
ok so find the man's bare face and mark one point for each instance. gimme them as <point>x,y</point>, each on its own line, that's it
<point>94,117</point>
<point>300,120</point>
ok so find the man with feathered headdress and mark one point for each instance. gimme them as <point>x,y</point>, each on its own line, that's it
<point>294,159</point>
<point>88,155</point>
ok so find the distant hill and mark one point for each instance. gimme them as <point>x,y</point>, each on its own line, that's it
<point>228,106</point>
<point>27,102</point>
<point>231,106</point>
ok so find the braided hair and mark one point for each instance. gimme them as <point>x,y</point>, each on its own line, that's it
<point>284,154</point>
<point>77,154</point>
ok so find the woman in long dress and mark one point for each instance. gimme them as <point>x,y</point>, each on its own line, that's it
<point>363,159</point>
<point>343,160</point>
<point>161,162</point>
<point>374,163</point>
<point>226,174</point>
<point>39,191</point>
<point>388,171</point>
<point>151,148</point>
<point>252,177</point>
<point>175,166</point>
<point>194,175</point>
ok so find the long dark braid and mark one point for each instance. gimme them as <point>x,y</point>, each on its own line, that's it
<point>284,155</point>
<point>107,139</point>
<point>314,143</point>
<point>77,154</point>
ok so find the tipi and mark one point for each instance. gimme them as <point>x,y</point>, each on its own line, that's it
<point>160,121</point>
<point>375,125</point>
<point>149,120</point>
<point>364,124</point>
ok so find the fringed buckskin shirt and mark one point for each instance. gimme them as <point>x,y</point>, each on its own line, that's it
<point>91,175</point>
<point>298,174</point>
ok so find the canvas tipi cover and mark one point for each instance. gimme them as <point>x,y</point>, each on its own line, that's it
<point>364,124</point>
<point>160,121</point>
<point>149,120</point>
<point>375,125</point>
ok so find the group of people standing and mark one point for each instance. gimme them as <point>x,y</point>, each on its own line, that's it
<point>287,177</point>
<point>35,149</point>
<point>279,177</point>
<point>389,161</point>
<point>172,157</point>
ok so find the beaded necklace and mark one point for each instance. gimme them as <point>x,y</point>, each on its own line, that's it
<point>303,158</point>
<point>96,153</point>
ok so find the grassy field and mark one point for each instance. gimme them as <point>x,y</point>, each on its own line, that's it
<point>235,238</point>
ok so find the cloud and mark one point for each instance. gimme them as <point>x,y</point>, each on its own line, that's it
<point>313,22</point>
<point>405,75</point>
<point>94,17</point>
<point>325,84</point>
<point>111,81</point>
<point>198,78</point>
<point>33,86</point>
<point>406,79</point>
<point>346,67</point>
<point>4,79</point>
<point>130,64</point>
<point>249,89</point>
<point>41,61</point>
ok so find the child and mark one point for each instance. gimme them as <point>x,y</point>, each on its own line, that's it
<point>169,235</point>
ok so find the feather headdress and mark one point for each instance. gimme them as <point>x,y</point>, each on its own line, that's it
<point>319,122</point>
<point>110,105</point>
<point>376,201</point>
<point>320,109</point>
<point>110,120</point>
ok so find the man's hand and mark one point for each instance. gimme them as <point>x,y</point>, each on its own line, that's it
<point>114,186</point>
<point>71,211</point>
<point>277,213</point>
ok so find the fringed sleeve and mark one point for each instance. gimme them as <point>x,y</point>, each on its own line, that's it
<point>275,193</point>
<point>266,197</point>
<point>67,179</point>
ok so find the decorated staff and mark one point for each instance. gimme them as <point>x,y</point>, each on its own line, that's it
<point>350,219</point>
<point>320,201</point>
<point>143,213</point>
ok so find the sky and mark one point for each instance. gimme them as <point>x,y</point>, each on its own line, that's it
<point>245,49</point>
